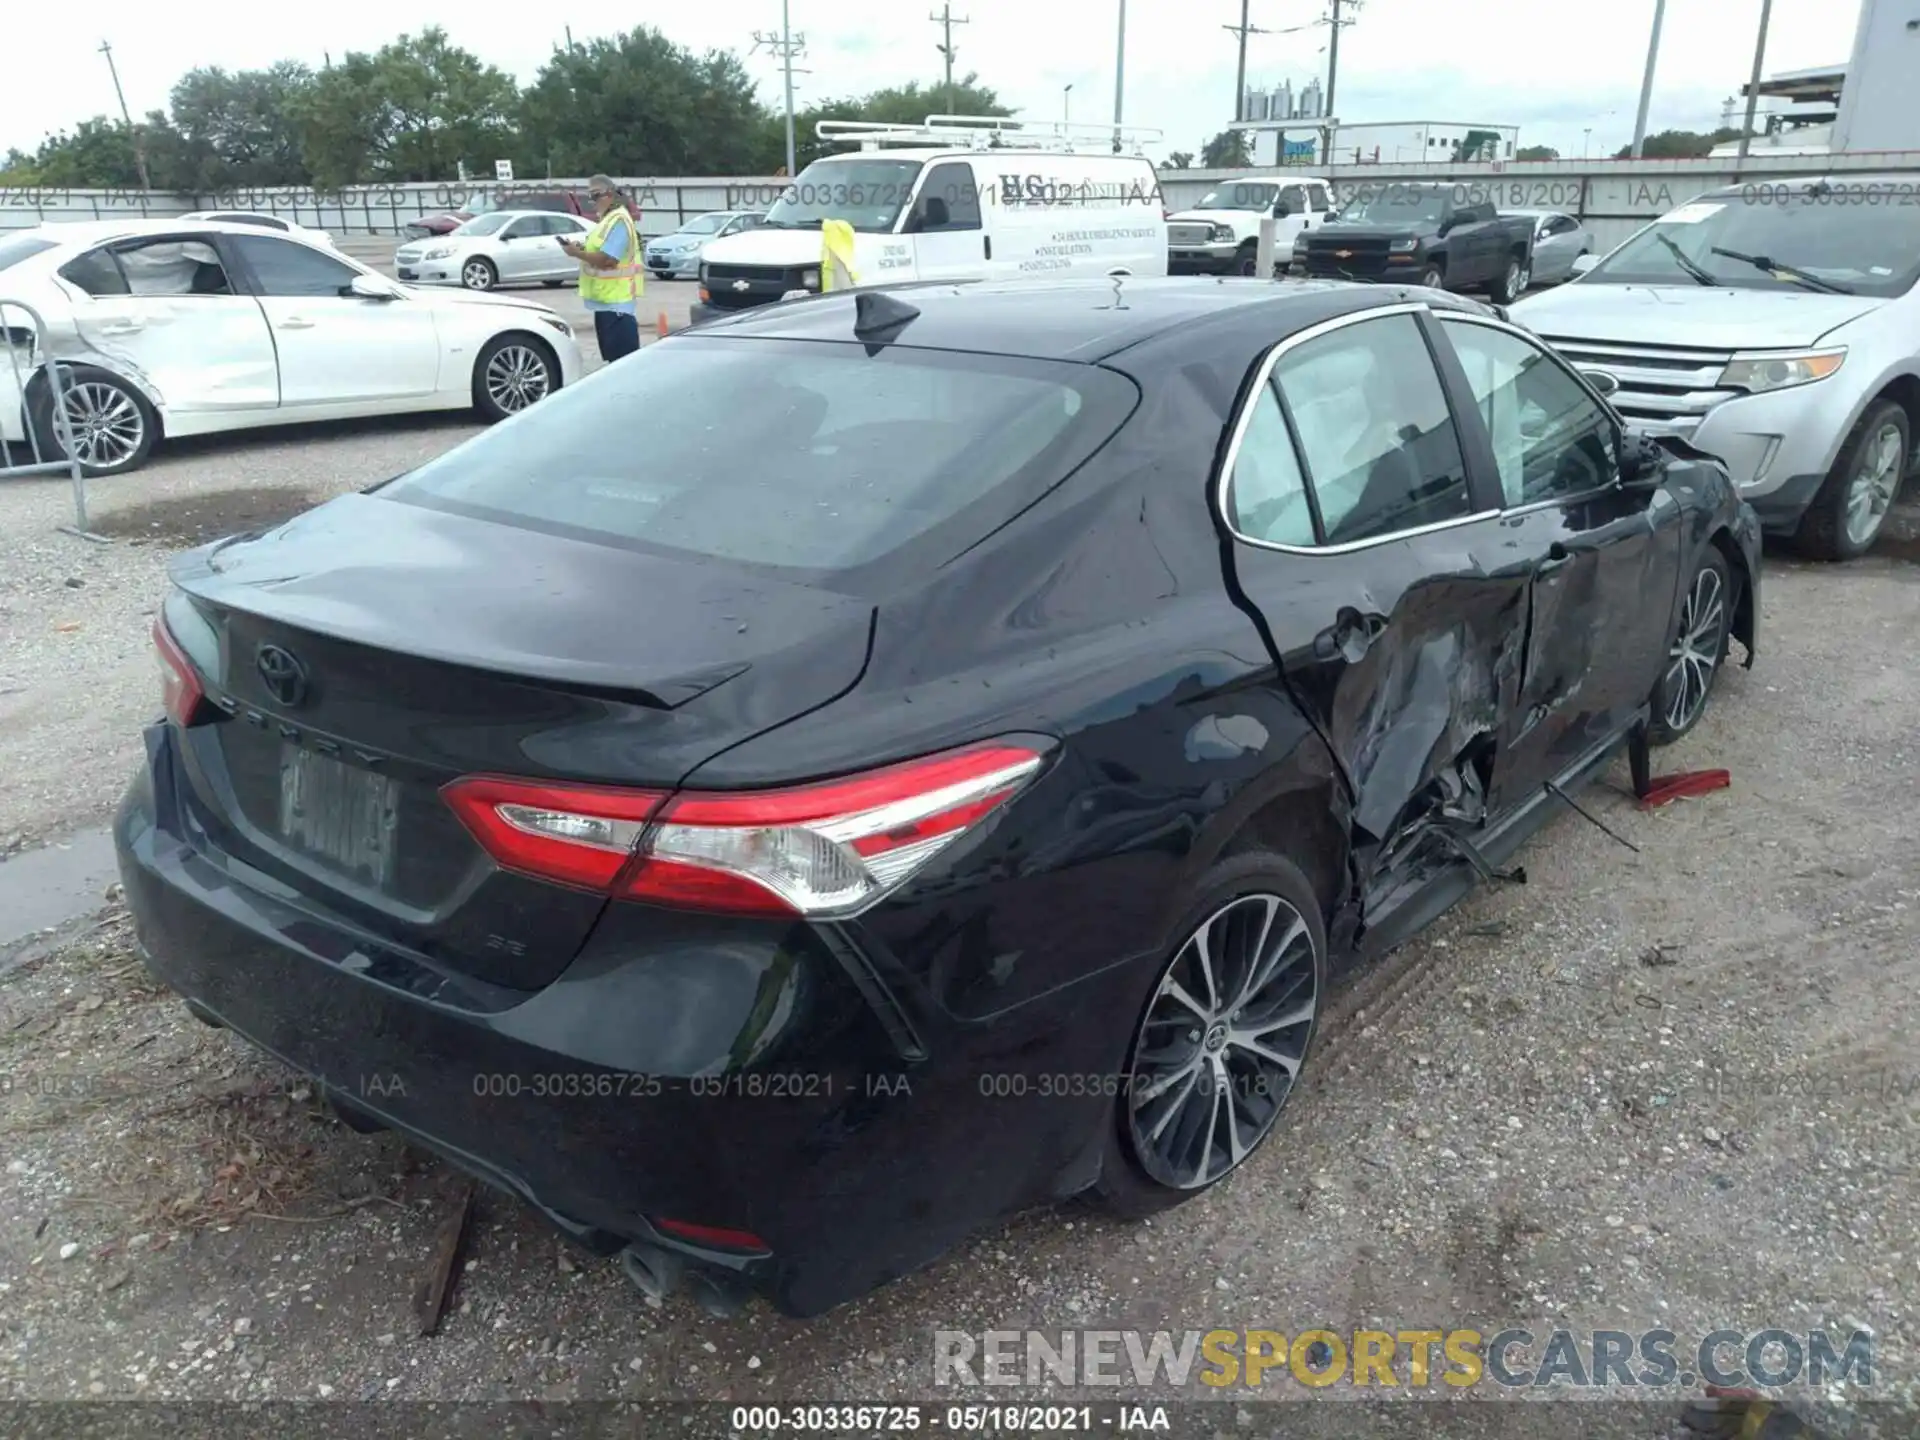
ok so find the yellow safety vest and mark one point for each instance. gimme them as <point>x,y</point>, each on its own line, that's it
<point>836,256</point>
<point>625,282</point>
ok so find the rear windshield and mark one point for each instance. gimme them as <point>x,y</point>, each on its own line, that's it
<point>15,248</point>
<point>808,458</point>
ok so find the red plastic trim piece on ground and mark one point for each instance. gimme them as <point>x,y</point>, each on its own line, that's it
<point>1683,785</point>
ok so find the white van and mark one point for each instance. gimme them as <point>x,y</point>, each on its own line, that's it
<point>955,198</point>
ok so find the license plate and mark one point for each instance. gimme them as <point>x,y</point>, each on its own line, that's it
<point>346,817</point>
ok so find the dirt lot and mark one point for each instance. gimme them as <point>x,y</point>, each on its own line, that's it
<point>1666,1086</point>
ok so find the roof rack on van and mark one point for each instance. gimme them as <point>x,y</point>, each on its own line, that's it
<point>990,132</point>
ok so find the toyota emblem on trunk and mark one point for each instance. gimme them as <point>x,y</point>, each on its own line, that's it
<point>284,676</point>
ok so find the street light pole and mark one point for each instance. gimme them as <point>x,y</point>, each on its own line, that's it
<point>1753,85</point>
<point>1646,84</point>
<point>1066,104</point>
<point>1119,74</point>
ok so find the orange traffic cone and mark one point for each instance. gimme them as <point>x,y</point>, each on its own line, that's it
<point>661,327</point>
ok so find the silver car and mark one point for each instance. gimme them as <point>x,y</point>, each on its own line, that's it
<point>501,247</point>
<point>1559,240</point>
<point>677,256</point>
<point>1775,325</point>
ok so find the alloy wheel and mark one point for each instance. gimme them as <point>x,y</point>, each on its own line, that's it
<point>1874,485</point>
<point>1222,1041</point>
<point>477,275</point>
<point>516,377</point>
<point>106,425</point>
<point>1696,649</point>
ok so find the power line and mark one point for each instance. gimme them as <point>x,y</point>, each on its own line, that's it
<point>946,20</point>
<point>1243,29</point>
<point>139,146</point>
<point>785,45</point>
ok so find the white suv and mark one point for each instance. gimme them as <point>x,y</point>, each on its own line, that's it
<point>1218,236</point>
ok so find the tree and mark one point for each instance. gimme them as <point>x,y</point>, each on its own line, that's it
<point>1178,160</point>
<point>1226,151</point>
<point>98,153</point>
<point>908,104</point>
<point>18,168</point>
<point>1536,152</point>
<point>1679,144</point>
<point>640,104</point>
<point>417,109</point>
<point>241,128</point>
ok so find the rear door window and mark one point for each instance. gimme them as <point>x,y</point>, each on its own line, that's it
<point>173,266</point>
<point>800,456</point>
<point>96,273</point>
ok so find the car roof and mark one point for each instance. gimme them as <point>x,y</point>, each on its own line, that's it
<point>98,232</point>
<point>1079,320</point>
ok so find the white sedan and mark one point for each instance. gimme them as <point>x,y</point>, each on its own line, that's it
<point>501,247</point>
<point>262,222</point>
<point>166,328</point>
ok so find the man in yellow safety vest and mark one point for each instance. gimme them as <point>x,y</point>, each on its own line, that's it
<point>611,280</point>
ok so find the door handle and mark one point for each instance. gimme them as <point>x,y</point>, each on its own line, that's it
<point>295,322</point>
<point>986,243</point>
<point>1350,636</point>
<point>1557,558</point>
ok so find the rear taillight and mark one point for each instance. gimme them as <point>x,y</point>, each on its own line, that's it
<point>180,688</point>
<point>819,851</point>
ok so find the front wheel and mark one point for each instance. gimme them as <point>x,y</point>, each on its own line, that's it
<point>1847,514</point>
<point>512,373</point>
<point>1220,1044</point>
<point>1513,281</point>
<point>1697,651</point>
<point>1434,278</point>
<point>479,274</point>
<point>1247,262</point>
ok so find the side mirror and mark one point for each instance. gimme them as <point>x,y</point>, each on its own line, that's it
<point>1281,209</point>
<point>1643,463</point>
<point>1583,263</point>
<point>366,287</point>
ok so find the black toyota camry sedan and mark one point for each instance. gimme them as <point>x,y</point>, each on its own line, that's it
<point>859,769</point>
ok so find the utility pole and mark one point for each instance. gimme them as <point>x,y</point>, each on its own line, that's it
<point>1646,84</point>
<point>1119,74</point>
<point>1753,86</point>
<point>139,145</point>
<point>786,45</point>
<point>1336,25</point>
<point>946,20</point>
<point>1243,29</point>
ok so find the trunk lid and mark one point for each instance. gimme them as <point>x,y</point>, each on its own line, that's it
<point>368,652</point>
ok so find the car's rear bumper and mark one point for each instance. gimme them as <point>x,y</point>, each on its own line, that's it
<point>732,1074</point>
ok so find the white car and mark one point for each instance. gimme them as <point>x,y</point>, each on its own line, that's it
<point>1221,234</point>
<point>262,222</point>
<point>501,247</point>
<point>166,328</point>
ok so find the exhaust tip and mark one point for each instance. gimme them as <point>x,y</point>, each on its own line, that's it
<point>654,1272</point>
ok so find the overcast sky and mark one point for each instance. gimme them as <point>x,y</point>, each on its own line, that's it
<point>1552,69</point>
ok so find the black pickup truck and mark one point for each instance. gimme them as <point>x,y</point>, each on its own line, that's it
<point>1432,235</point>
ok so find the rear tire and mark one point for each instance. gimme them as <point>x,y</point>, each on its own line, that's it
<point>1697,649</point>
<point>479,274</point>
<point>513,372</point>
<point>1170,1139</point>
<point>112,421</point>
<point>1513,281</point>
<point>1850,509</point>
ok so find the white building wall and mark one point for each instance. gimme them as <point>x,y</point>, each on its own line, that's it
<point>1877,108</point>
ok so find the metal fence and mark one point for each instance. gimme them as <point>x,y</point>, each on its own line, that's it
<point>41,409</point>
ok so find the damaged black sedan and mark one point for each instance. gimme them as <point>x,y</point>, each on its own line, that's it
<point>860,769</point>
